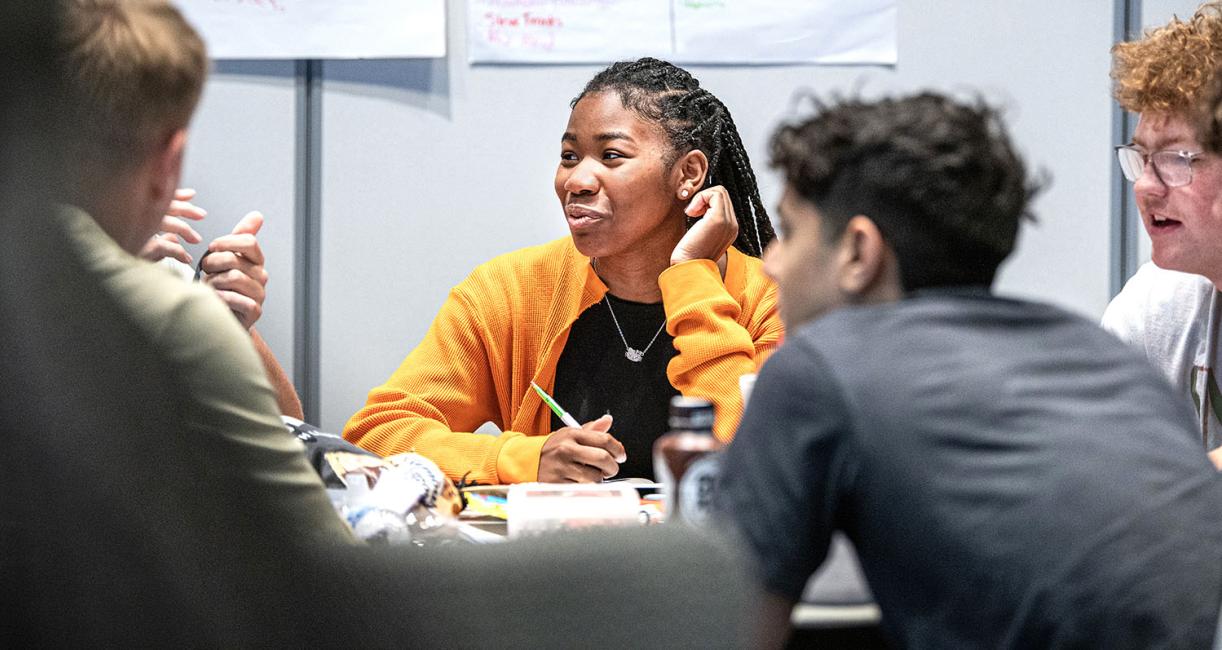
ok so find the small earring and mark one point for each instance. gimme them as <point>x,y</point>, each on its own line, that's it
<point>683,194</point>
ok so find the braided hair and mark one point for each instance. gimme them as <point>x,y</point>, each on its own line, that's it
<point>692,118</point>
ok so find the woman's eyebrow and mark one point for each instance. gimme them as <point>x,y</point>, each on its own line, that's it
<point>614,135</point>
<point>569,136</point>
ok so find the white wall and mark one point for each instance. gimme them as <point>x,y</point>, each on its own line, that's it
<point>430,167</point>
<point>240,157</point>
<point>433,167</point>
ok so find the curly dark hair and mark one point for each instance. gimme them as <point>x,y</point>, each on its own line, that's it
<point>939,178</point>
<point>692,118</point>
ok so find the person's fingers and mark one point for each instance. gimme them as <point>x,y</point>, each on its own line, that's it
<point>706,200</point>
<point>187,210</point>
<point>237,282</point>
<point>586,454</point>
<point>250,224</point>
<point>244,244</point>
<point>603,423</point>
<point>181,228</point>
<point>712,201</point>
<point>167,248</point>
<point>247,310</point>
<point>594,434</point>
<point>184,194</point>
<point>578,473</point>
<point>717,203</point>
<point>699,204</point>
<point>217,263</point>
<point>159,247</point>
<point>589,474</point>
<point>713,233</point>
<point>595,457</point>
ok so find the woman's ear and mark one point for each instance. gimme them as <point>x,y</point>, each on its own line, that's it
<point>689,173</point>
<point>867,266</point>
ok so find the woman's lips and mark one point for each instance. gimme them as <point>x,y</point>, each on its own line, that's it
<point>580,216</point>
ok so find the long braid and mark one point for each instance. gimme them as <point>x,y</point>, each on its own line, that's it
<point>693,118</point>
<point>742,170</point>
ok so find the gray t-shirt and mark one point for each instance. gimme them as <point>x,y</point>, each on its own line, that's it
<point>1010,474</point>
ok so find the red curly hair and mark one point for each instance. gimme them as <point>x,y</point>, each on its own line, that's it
<point>1170,67</point>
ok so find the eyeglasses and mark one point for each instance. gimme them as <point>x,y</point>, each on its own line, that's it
<point>1173,168</point>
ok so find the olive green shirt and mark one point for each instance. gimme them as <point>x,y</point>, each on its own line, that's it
<point>228,406</point>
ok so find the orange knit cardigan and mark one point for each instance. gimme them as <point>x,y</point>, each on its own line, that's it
<point>506,325</point>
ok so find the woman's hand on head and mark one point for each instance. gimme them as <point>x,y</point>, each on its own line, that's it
<point>585,455</point>
<point>715,229</point>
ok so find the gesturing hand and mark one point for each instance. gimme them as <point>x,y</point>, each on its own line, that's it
<point>234,268</point>
<point>715,230</point>
<point>174,230</point>
<point>585,455</point>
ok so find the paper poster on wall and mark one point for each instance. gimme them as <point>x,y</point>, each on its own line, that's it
<point>784,31</point>
<point>566,31</point>
<point>319,29</point>
<point>684,31</point>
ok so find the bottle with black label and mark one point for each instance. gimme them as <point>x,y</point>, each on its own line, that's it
<point>686,461</point>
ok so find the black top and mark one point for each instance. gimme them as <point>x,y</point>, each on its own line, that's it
<point>594,377</point>
<point>1010,474</point>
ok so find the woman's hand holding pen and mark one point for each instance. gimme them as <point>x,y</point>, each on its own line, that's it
<point>585,455</point>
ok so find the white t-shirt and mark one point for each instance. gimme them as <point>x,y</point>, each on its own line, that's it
<point>1167,316</point>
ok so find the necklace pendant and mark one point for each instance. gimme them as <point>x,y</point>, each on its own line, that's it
<point>634,354</point>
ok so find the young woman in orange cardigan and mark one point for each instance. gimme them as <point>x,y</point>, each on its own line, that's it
<point>657,291</point>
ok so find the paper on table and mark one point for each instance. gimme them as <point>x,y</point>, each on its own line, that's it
<point>491,505</point>
<point>638,483</point>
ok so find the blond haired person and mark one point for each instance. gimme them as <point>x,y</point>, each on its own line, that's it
<point>136,73</point>
<point>1170,309</point>
<point>122,116</point>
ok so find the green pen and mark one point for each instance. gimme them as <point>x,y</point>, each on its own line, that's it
<point>564,416</point>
